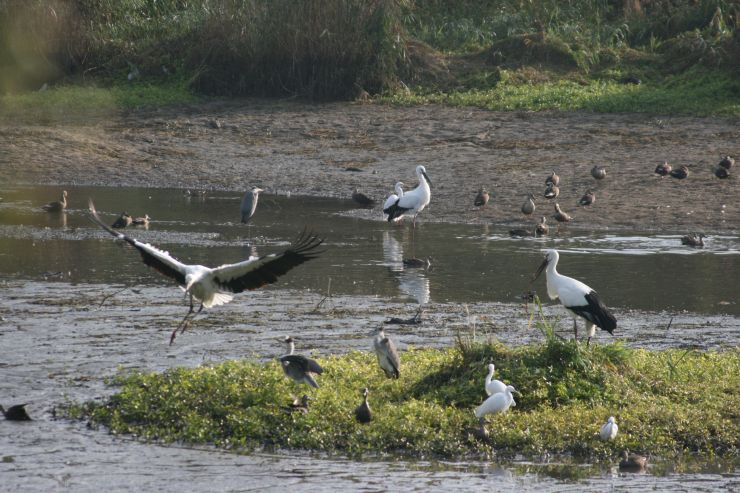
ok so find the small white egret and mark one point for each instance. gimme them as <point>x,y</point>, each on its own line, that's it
<point>579,299</point>
<point>363,413</point>
<point>609,429</point>
<point>298,367</point>
<point>392,199</point>
<point>493,386</point>
<point>387,354</point>
<point>414,201</point>
<point>215,286</point>
<point>497,403</point>
<point>249,204</point>
<point>57,206</point>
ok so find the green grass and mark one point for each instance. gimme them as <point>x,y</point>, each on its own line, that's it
<point>665,402</point>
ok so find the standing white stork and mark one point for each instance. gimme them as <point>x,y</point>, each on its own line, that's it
<point>579,299</point>
<point>214,286</point>
<point>393,198</point>
<point>413,201</point>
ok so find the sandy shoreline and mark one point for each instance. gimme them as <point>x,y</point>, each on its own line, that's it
<point>306,150</point>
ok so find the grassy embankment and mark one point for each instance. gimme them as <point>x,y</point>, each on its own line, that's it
<point>504,55</point>
<point>666,403</point>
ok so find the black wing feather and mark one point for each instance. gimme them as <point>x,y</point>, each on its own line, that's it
<point>302,250</point>
<point>302,362</point>
<point>149,259</point>
<point>395,211</point>
<point>596,312</point>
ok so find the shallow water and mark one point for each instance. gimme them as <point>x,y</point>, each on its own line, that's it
<point>66,325</point>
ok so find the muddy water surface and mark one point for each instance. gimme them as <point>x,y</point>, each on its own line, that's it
<point>76,307</point>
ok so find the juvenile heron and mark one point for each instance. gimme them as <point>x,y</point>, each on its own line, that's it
<point>393,198</point>
<point>414,201</point>
<point>249,204</point>
<point>579,299</point>
<point>215,286</point>
<point>553,179</point>
<point>298,367</point>
<point>663,169</point>
<point>588,198</point>
<point>680,173</point>
<point>528,207</point>
<point>16,413</point>
<point>499,402</point>
<point>57,206</point>
<point>609,429</point>
<point>385,350</point>
<point>363,413</point>
<point>123,221</point>
<point>362,199</point>
<point>482,198</point>
<point>598,172</point>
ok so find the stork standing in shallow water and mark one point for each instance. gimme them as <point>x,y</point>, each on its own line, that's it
<point>215,286</point>
<point>414,201</point>
<point>579,299</point>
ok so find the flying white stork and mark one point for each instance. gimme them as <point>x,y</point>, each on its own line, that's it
<point>214,286</point>
<point>576,297</point>
<point>413,201</point>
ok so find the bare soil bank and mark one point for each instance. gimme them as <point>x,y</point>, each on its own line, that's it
<point>308,149</point>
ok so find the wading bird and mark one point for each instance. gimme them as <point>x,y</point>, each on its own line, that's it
<point>393,198</point>
<point>385,350</point>
<point>362,199</point>
<point>413,201</point>
<point>553,179</point>
<point>579,299</point>
<point>249,204</point>
<point>363,413</point>
<point>493,386</point>
<point>499,402</point>
<point>598,172</point>
<point>123,221</point>
<point>528,206</point>
<point>298,367</point>
<point>215,286</point>
<point>588,198</point>
<point>16,413</point>
<point>58,205</point>
<point>693,240</point>
<point>609,429</point>
<point>663,169</point>
<point>680,173</point>
<point>482,198</point>
<point>632,462</point>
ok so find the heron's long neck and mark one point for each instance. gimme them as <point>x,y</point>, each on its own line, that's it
<point>291,347</point>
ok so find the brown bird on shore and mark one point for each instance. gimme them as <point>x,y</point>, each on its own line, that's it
<point>680,173</point>
<point>721,173</point>
<point>123,221</point>
<point>542,229</point>
<point>141,221</point>
<point>588,198</point>
<point>693,240</point>
<point>528,206</point>
<point>362,199</point>
<point>663,169</point>
<point>520,232</point>
<point>632,462</point>
<point>598,172</point>
<point>727,162</point>
<point>561,216</point>
<point>16,413</point>
<point>551,192</point>
<point>363,413</point>
<point>482,198</point>
<point>58,205</point>
<point>553,179</point>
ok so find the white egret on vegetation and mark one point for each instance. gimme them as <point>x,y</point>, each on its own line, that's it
<point>414,201</point>
<point>215,286</point>
<point>385,350</point>
<point>579,299</point>
<point>493,386</point>
<point>58,205</point>
<point>609,429</point>
<point>298,367</point>
<point>499,402</point>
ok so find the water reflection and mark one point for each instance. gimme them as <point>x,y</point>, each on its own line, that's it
<point>412,282</point>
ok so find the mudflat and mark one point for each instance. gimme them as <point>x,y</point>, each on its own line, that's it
<point>329,149</point>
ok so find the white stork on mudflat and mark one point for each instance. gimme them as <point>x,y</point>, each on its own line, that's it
<point>393,198</point>
<point>215,286</point>
<point>413,201</point>
<point>579,299</point>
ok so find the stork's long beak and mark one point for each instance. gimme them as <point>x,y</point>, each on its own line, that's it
<point>426,177</point>
<point>539,270</point>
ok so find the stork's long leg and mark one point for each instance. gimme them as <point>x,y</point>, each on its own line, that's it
<point>184,322</point>
<point>575,329</point>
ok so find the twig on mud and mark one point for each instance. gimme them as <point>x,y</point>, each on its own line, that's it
<point>107,296</point>
<point>324,299</point>
<point>415,320</point>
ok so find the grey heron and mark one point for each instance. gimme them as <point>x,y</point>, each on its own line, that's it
<point>298,367</point>
<point>249,204</point>
<point>385,350</point>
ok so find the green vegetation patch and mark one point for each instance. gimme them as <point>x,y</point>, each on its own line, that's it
<point>665,402</point>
